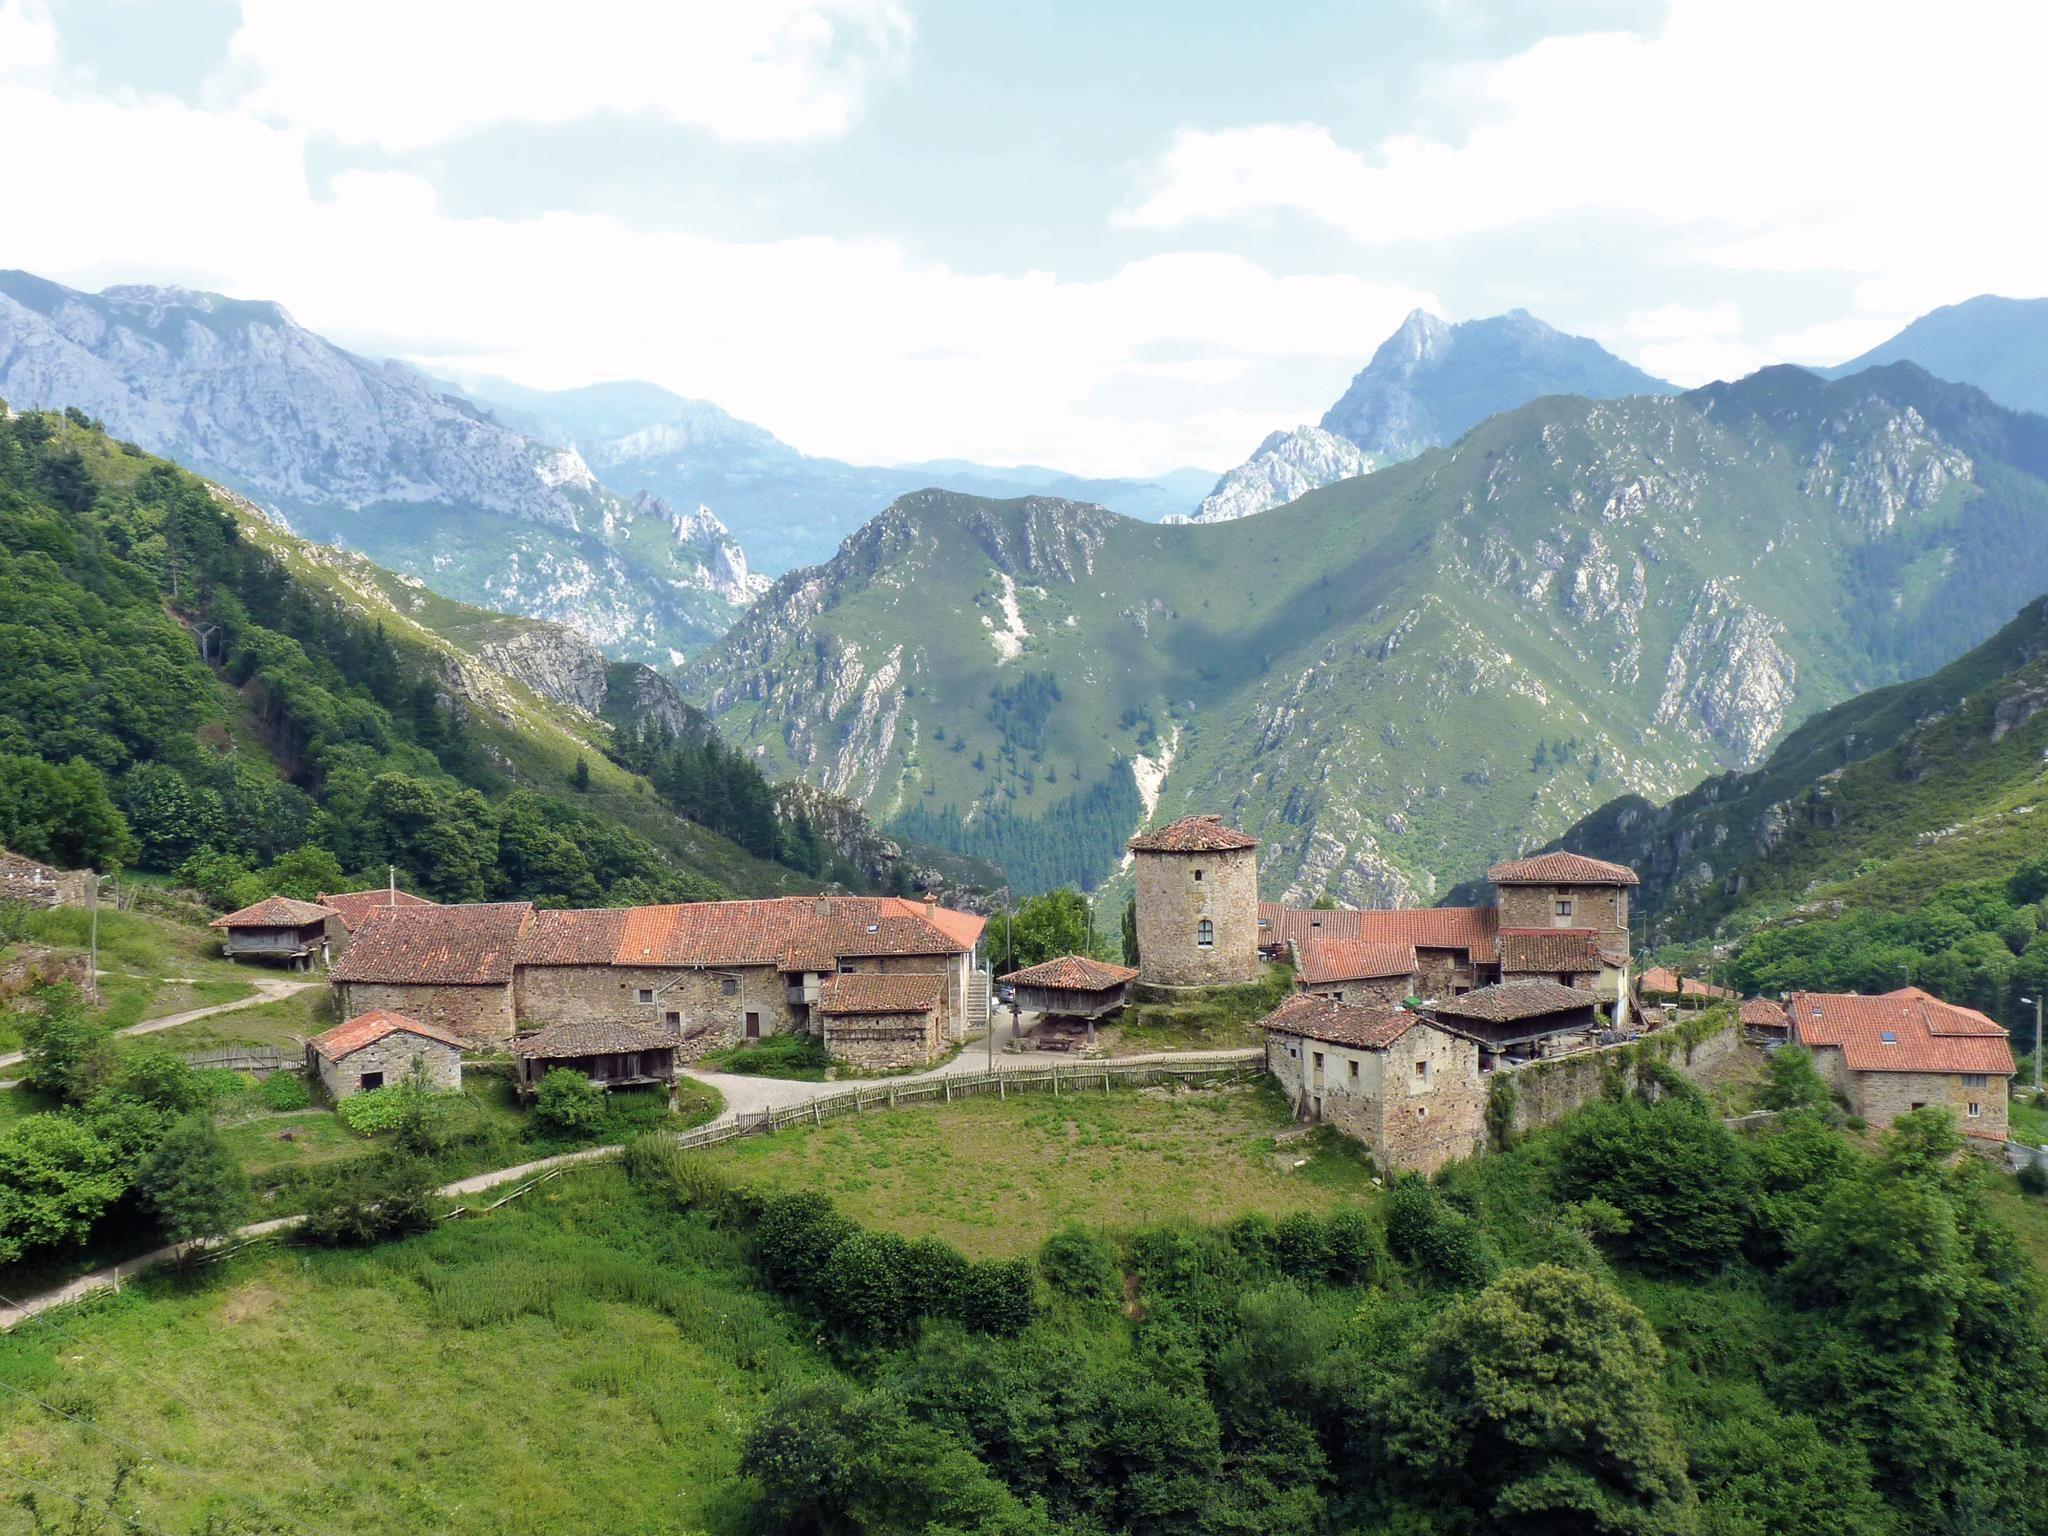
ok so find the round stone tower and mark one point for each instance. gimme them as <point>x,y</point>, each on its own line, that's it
<point>1198,904</point>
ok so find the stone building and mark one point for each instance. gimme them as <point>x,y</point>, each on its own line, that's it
<point>1362,971</point>
<point>1907,1050</point>
<point>879,1021</point>
<point>1407,1087</point>
<point>1456,948</point>
<point>1197,894</point>
<point>352,909</point>
<point>608,1053</point>
<point>447,966</point>
<point>36,884</point>
<point>278,929</point>
<point>1525,1017</point>
<point>1766,1019</point>
<point>380,1048</point>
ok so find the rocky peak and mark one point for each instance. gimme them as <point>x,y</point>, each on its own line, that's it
<point>1286,465</point>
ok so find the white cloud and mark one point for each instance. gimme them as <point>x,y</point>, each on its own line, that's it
<point>407,73</point>
<point>28,37</point>
<point>1669,321</point>
<point>853,347</point>
<point>1868,137</point>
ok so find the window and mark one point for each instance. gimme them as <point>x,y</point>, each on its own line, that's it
<point>1319,1061</point>
<point>1354,1071</point>
<point>846,967</point>
<point>1889,1038</point>
<point>1973,1079</point>
<point>644,995</point>
<point>1976,1110</point>
<point>370,1080</point>
<point>673,1018</point>
<point>728,986</point>
<point>1198,877</point>
<point>1422,1071</point>
<point>1422,1111</point>
<point>1205,934</point>
<point>1562,907</point>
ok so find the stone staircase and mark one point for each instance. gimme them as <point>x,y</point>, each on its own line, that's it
<point>977,999</point>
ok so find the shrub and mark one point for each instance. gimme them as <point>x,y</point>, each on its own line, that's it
<point>996,1296</point>
<point>686,1178</point>
<point>1355,1246</point>
<point>1299,1246</point>
<point>794,1237</point>
<point>370,1200</point>
<point>568,1101</point>
<point>1673,1170</point>
<point>1428,1232</point>
<point>1790,1081</point>
<point>284,1091</point>
<point>1256,1239</point>
<point>793,1056</point>
<point>384,1109</point>
<point>192,1183</point>
<point>1080,1264</point>
<point>1500,1111</point>
<point>867,1288</point>
<point>2033,1178</point>
<point>69,1052</point>
<point>57,1177</point>
<point>160,1079</point>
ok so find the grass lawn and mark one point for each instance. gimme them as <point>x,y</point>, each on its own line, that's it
<point>579,1361</point>
<point>2027,1121</point>
<point>1220,1018</point>
<point>283,1022</point>
<point>995,1177</point>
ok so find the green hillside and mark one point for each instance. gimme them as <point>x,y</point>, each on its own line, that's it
<point>179,678</point>
<point>1394,679</point>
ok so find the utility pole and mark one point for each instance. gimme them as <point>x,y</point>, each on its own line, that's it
<point>92,965</point>
<point>2037,1002</point>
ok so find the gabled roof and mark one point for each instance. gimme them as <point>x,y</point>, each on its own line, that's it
<point>597,1037</point>
<point>579,936</point>
<point>470,945</point>
<point>1073,973</point>
<point>1925,1034</point>
<point>1764,1013</point>
<point>1472,929</point>
<point>865,993</point>
<point>1660,978</point>
<point>793,933</point>
<point>1323,960</point>
<point>1371,1028</point>
<point>1505,1002</point>
<point>275,912</point>
<point>1561,869</point>
<point>1192,834</point>
<point>355,907</point>
<point>963,927</point>
<point>350,1036</point>
<point>1573,950</point>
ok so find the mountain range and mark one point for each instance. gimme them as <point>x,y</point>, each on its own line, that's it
<point>1397,677</point>
<point>1998,344</point>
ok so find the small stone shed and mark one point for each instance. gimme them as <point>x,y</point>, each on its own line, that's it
<point>1765,1018</point>
<point>610,1053</point>
<point>1520,1018</point>
<point>881,1021</point>
<point>37,884</point>
<point>376,1049</point>
<point>278,928</point>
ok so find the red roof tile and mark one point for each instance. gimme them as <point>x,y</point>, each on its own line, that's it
<point>901,992</point>
<point>1764,1013</point>
<point>964,927</point>
<point>580,936</point>
<point>1572,950</point>
<point>1662,979</point>
<point>1192,834</point>
<point>355,907</point>
<point>350,1036</point>
<point>471,945</point>
<point>1506,1002</point>
<point>1073,973</point>
<point>1926,1034</point>
<point>795,933</point>
<point>1322,1018</point>
<point>1561,869</point>
<point>592,1037</point>
<point>276,912</point>
<point>1472,929</point>
<point>1323,960</point>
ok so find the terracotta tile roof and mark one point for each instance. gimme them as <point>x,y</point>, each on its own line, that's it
<point>1323,1018</point>
<point>1192,834</point>
<point>579,936</point>
<point>597,1037</point>
<point>1321,960</point>
<point>1472,929</point>
<point>350,1036</point>
<point>1505,1002</point>
<point>965,927</point>
<point>355,907</point>
<point>1926,1034</point>
<point>794,933</point>
<point>276,912</point>
<point>471,945</point>
<point>1764,1013</point>
<point>1663,979</point>
<point>1073,973</point>
<point>1561,869</point>
<point>907,992</point>
<point>1573,950</point>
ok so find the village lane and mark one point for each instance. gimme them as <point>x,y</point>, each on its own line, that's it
<point>268,990</point>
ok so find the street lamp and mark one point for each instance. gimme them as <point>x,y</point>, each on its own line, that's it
<point>2036,1001</point>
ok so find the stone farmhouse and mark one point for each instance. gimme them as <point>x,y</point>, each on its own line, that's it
<point>703,974</point>
<point>378,1048</point>
<point>1907,1050</point>
<point>1407,1086</point>
<point>352,909</point>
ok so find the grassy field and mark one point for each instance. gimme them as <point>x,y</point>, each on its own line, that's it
<point>284,1022</point>
<point>995,1177</point>
<point>1220,1018</point>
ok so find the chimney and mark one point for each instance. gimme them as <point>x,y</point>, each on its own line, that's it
<point>822,907</point>
<point>931,903</point>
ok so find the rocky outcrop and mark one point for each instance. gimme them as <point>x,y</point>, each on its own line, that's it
<point>555,662</point>
<point>1286,465</point>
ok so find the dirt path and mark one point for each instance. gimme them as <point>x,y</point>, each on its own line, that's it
<point>268,990</point>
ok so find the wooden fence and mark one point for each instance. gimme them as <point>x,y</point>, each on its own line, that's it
<point>248,1058</point>
<point>1055,1079</point>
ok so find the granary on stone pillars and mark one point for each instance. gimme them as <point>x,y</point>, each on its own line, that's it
<point>1197,904</point>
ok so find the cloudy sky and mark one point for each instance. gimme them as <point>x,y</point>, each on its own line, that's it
<point>1109,237</point>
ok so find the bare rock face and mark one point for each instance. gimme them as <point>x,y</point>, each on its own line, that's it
<point>555,662</point>
<point>1729,674</point>
<point>1285,466</point>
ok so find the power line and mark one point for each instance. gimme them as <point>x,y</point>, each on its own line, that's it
<point>132,1522</point>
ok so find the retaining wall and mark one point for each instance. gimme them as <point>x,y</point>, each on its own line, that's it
<point>1548,1090</point>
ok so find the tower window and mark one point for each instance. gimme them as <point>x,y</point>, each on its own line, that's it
<point>1198,877</point>
<point>1205,934</point>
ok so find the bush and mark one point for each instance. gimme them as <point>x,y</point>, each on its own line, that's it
<point>69,1052</point>
<point>1356,1248</point>
<point>684,1177</point>
<point>57,1177</point>
<point>1080,1264</point>
<point>1674,1171</point>
<point>369,1201</point>
<point>996,1296</point>
<point>568,1101</point>
<point>794,1237</point>
<point>2033,1178</point>
<point>192,1184</point>
<point>1428,1232</point>
<point>792,1056</point>
<point>867,1288</point>
<point>1299,1247</point>
<point>386,1109</point>
<point>284,1091</point>
<point>1790,1081</point>
<point>161,1080</point>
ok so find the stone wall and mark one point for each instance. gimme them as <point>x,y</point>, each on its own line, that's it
<point>480,1015</point>
<point>886,1041</point>
<point>1407,1119</point>
<point>1881,1097</point>
<point>952,1002</point>
<point>1604,907</point>
<point>1366,993</point>
<point>1172,903</point>
<point>1443,973</point>
<point>1548,1090</point>
<point>707,1009</point>
<point>393,1056</point>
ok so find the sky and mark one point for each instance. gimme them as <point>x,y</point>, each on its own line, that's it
<point>1113,238</point>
